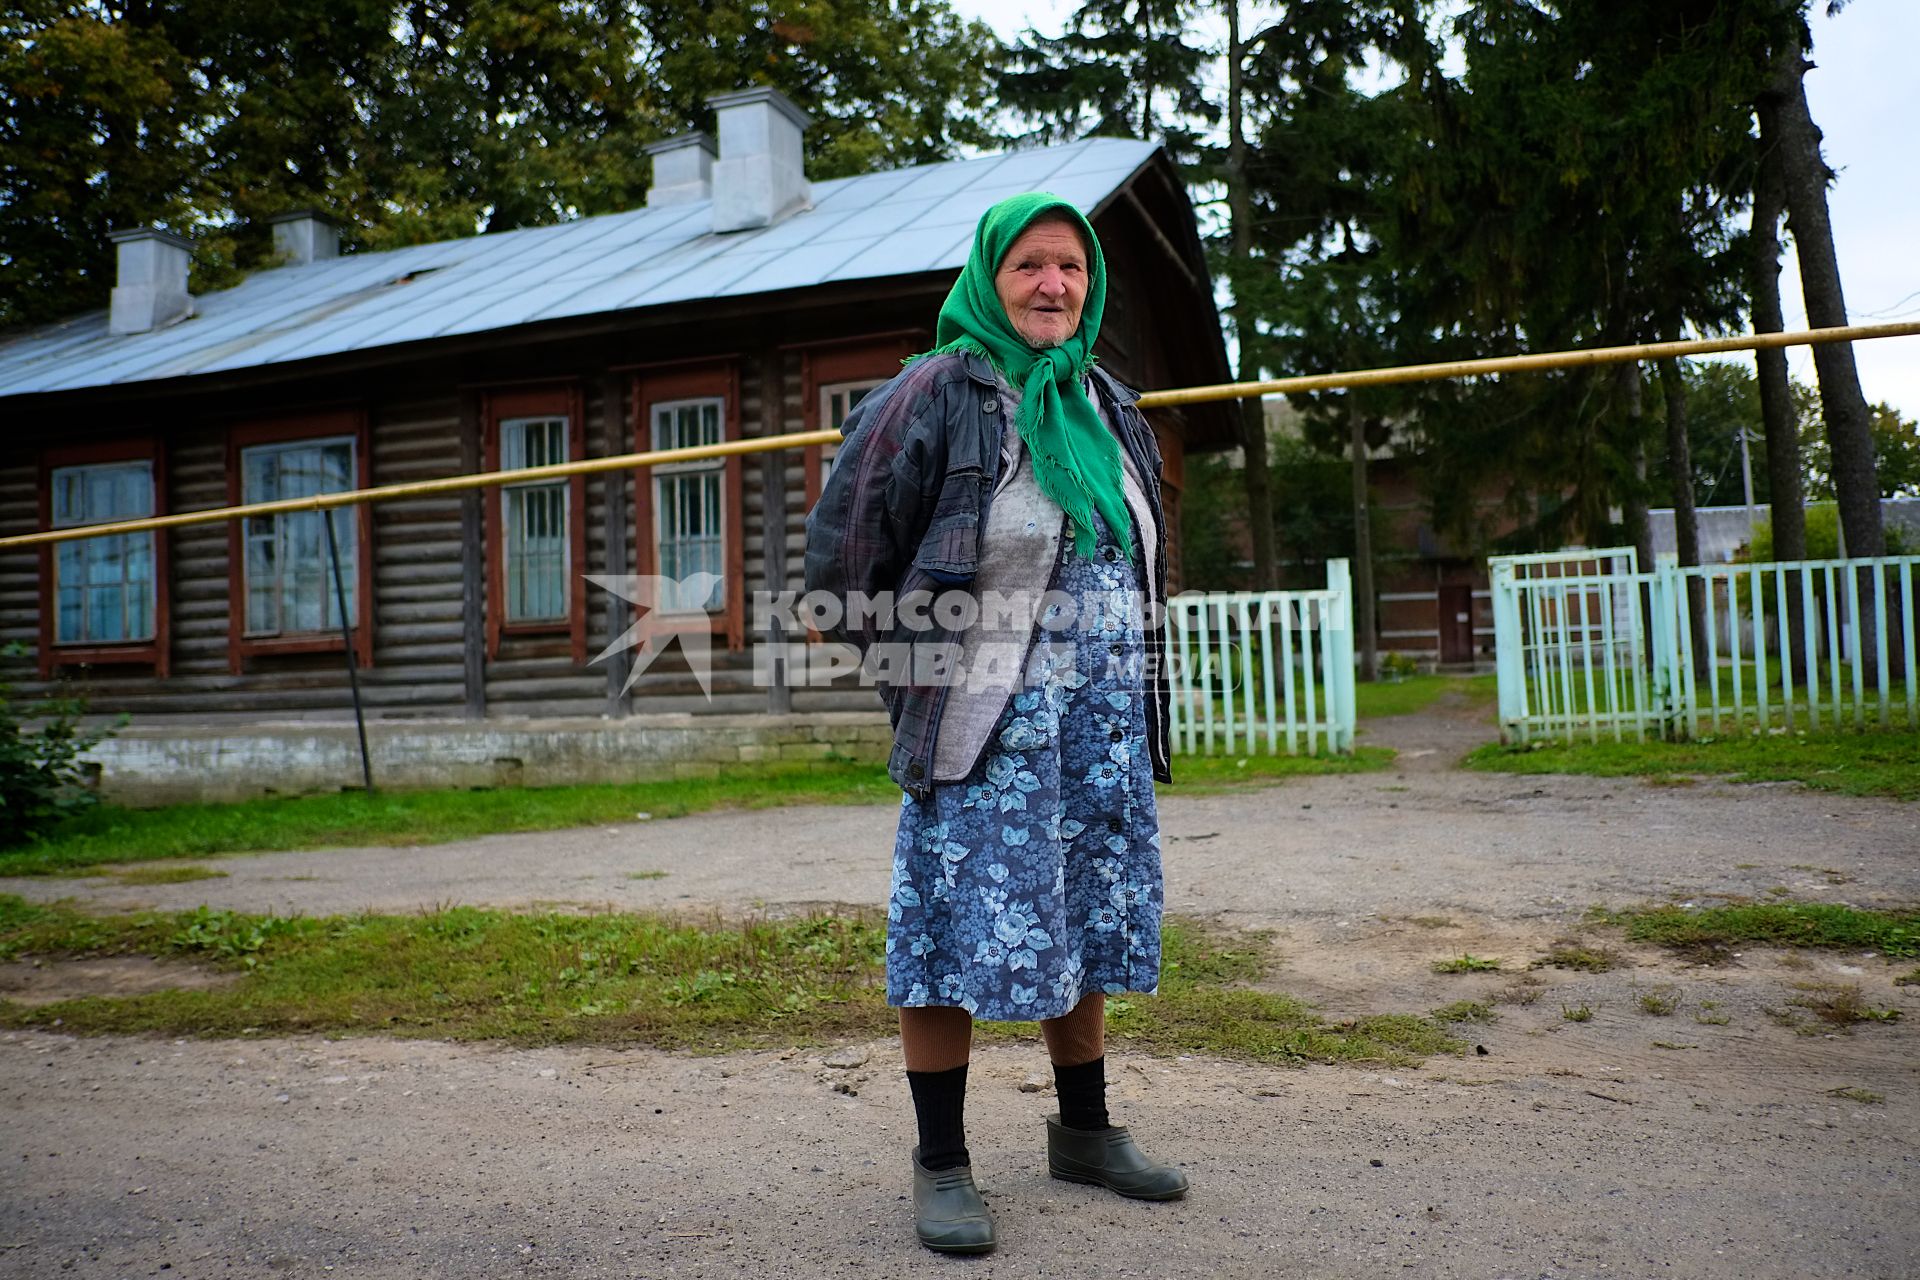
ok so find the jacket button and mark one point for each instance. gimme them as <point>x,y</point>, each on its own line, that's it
<point>1116,826</point>
<point>1109,554</point>
<point>1118,736</point>
<point>989,405</point>
<point>915,772</point>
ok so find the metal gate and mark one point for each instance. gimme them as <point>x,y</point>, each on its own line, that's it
<point>1588,646</point>
<point>1264,671</point>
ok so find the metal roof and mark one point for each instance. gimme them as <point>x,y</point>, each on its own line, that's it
<point>900,222</point>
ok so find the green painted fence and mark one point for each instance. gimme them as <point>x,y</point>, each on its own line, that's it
<point>1587,646</point>
<point>1266,672</point>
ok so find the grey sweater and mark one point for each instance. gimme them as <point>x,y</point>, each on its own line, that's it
<point>1018,548</point>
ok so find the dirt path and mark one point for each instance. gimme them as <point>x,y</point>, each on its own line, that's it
<point>1630,1144</point>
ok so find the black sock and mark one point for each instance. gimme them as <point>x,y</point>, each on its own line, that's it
<point>1083,1094</point>
<point>940,1106</point>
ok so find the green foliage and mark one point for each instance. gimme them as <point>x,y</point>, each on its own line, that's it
<point>1774,924</point>
<point>1121,68</point>
<point>1896,451</point>
<point>1860,764</point>
<point>465,973</point>
<point>43,782</point>
<point>1467,963</point>
<point>421,121</point>
<point>357,819</point>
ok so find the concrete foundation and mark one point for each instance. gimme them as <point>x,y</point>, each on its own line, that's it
<point>155,764</point>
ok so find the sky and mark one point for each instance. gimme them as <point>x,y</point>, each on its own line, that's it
<point>1865,97</point>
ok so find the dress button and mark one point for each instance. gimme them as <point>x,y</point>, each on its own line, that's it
<point>1109,554</point>
<point>1116,826</point>
<point>1114,649</point>
<point>1118,736</point>
<point>989,405</point>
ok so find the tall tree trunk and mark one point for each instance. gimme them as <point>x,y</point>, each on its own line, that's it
<point>1363,598</point>
<point>1787,516</point>
<point>1633,509</point>
<point>1253,418</point>
<point>1686,521</point>
<point>1805,177</point>
<point>1856,482</point>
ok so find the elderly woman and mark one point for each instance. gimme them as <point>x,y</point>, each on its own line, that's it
<point>1027,738</point>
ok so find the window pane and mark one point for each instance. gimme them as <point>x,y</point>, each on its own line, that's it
<point>535,518</point>
<point>103,586</point>
<point>690,536</point>
<point>288,572</point>
<point>536,552</point>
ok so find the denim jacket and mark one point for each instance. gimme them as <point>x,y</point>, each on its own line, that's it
<point>902,511</point>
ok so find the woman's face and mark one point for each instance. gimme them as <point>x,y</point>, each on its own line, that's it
<point>1042,283</point>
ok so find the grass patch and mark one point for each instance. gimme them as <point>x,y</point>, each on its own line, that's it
<point>1200,775</point>
<point>1774,924</point>
<point>1908,979</point>
<point>1839,1004</point>
<point>1659,1004</point>
<point>1466,1011</point>
<point>1853,1093</point>
<point>1580,1013</point>
<point>647,875</point>
<point>356,819</point>
<point>1579,956</point>
<point>1379,699</point>
<point>1858,764</point>
<point>531,979</point>
<point>1466,964</point>
<point>111,834</point>
<point>1709,1015</point>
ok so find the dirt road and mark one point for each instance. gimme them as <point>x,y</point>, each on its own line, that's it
<point>1704,1141</point>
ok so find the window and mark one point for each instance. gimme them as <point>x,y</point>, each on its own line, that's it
<point>104,587</point>
<point>836,402</point>
<point>533,520</point>
<point>689,514</point>
<point>834,376</point>
<point>288,572</point>
<point>536,533</point>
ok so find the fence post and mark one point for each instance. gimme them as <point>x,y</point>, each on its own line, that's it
<point>1339,642</point>
<point>1509,665</point>
<point>1670,669</point>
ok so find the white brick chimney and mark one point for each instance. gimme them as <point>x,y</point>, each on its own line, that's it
<point>758,179</point>
<point>304,235</point>
<point>682,169</point>
<point>150,290</point>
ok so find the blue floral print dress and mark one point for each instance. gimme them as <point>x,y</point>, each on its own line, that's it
<point>1037,879</point>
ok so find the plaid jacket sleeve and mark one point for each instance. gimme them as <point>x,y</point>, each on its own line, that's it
<point>864,531</point>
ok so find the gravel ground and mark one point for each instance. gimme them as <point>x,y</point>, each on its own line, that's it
<point>1626,1145</point>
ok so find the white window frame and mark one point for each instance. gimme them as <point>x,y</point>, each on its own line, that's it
<point>673,473</point>
<point>278,526</point>
<point>509,461</point>
<point>115,546</point>
<point>828,422</point>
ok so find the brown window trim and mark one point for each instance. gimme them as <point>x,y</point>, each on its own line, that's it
<point>846,360</point>
<point>307,426</point>
<point>553,400</point>
<point>687,380</point>
<point>154,652</point>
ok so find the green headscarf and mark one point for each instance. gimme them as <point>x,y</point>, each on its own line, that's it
<point>1075,457</point>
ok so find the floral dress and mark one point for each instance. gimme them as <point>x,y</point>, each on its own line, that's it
<point>1037,879</point>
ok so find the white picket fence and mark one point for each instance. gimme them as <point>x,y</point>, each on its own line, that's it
<point>1264,671</point>
<point>1586,645</point>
